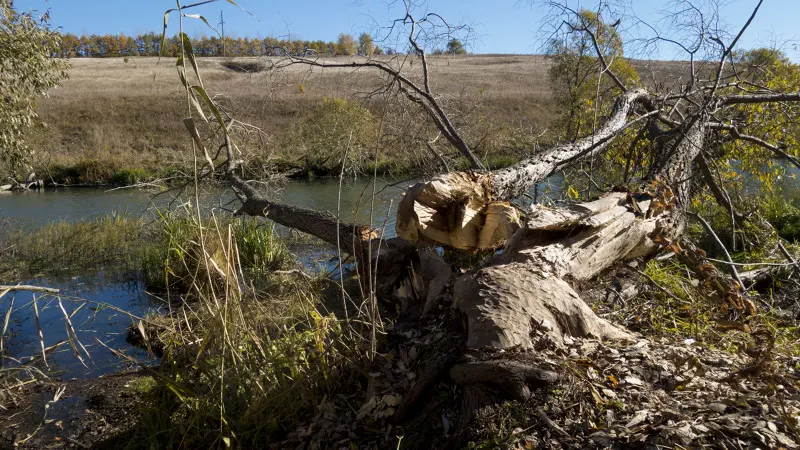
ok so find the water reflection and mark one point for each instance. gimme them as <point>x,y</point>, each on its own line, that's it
<point>95,304</point>
<point>37,208</point>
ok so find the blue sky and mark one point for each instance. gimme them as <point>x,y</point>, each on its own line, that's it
<point>501,26</point>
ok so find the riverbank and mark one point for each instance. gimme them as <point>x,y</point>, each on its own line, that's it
<point>114,121</point>
<point>257,352</point>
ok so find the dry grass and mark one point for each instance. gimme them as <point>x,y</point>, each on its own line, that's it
<point>113,115</point>
<point>129,114</point>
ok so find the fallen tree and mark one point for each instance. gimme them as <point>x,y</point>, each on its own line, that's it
<point>527,293</point>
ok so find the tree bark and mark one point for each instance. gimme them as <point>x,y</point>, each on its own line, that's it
<point>524,293</point>
<point>468,211</point>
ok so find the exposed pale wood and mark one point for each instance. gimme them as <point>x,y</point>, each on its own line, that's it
<point>456,209</point>
<point>467,211</point>
<point>505,305</point>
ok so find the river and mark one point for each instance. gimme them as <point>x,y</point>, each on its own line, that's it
<point>95,299</point>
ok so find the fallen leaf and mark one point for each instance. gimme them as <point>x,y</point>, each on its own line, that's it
<point>638,418</point>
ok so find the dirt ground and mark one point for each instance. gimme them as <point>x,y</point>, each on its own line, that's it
<point>71,414</point>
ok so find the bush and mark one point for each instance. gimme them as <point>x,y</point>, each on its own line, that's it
<point>84,172</point>
<point>244,66</point>
<point>334,128</point>
<point>129,177</point>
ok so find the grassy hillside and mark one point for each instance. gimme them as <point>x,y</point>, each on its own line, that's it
<point>115,114</point>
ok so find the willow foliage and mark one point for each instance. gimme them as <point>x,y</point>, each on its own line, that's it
<point>27,72</point>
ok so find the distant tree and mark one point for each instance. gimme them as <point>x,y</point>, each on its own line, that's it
<point>576,69</point>
<point>378,51</point>
<point>27,71</point>
<point>455,47</point>
<point>366,47</point>
<point>346,45</point>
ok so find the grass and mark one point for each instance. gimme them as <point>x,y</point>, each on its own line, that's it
<point>248,354</point>
<point>183,251</point>
<point>111,116</point>
<point>63,248</point>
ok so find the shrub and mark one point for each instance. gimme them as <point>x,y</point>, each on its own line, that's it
<point>84,172</point>
<point>129,177</point>
<point>244,66</point>
<point>334,128</point>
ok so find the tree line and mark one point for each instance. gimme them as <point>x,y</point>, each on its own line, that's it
<point>150,44</point>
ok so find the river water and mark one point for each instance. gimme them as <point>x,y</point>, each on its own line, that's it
<point>95,300</point>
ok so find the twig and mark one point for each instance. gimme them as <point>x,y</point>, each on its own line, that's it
<point>550,424</point>
<point>728,260</point>
<point>26,287</point>
<point>661,288</point>
<point>788,255</point>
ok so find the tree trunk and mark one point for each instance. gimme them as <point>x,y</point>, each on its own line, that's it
<point>523,297</point>
<point>468,211</point>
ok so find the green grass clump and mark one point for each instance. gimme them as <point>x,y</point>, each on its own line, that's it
<point>186,254</point>
<point>90,171</point>
<point>678,308</point>
<point>130,176</point>
<point>112,243</point>
<point>784,215</point>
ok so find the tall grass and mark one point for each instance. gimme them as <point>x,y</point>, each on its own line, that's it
<point>183,251</point>
<point>112,242</point>
<point>248,353</point>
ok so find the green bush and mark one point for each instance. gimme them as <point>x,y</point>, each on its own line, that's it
<point>84,172</point>
<point>129,177</point>
<point>334,128</point>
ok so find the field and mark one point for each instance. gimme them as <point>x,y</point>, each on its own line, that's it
<point>116,113</point>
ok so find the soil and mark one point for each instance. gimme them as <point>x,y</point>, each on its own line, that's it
<point>654,392</point>
<point>87,413</point>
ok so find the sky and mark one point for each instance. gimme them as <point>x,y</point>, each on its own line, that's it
<point>500,26</point>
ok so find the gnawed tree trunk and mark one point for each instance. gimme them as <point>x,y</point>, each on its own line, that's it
<point>468,211</point>
<point>524,294</point>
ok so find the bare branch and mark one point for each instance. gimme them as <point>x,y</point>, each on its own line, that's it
<point>752,139</point>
